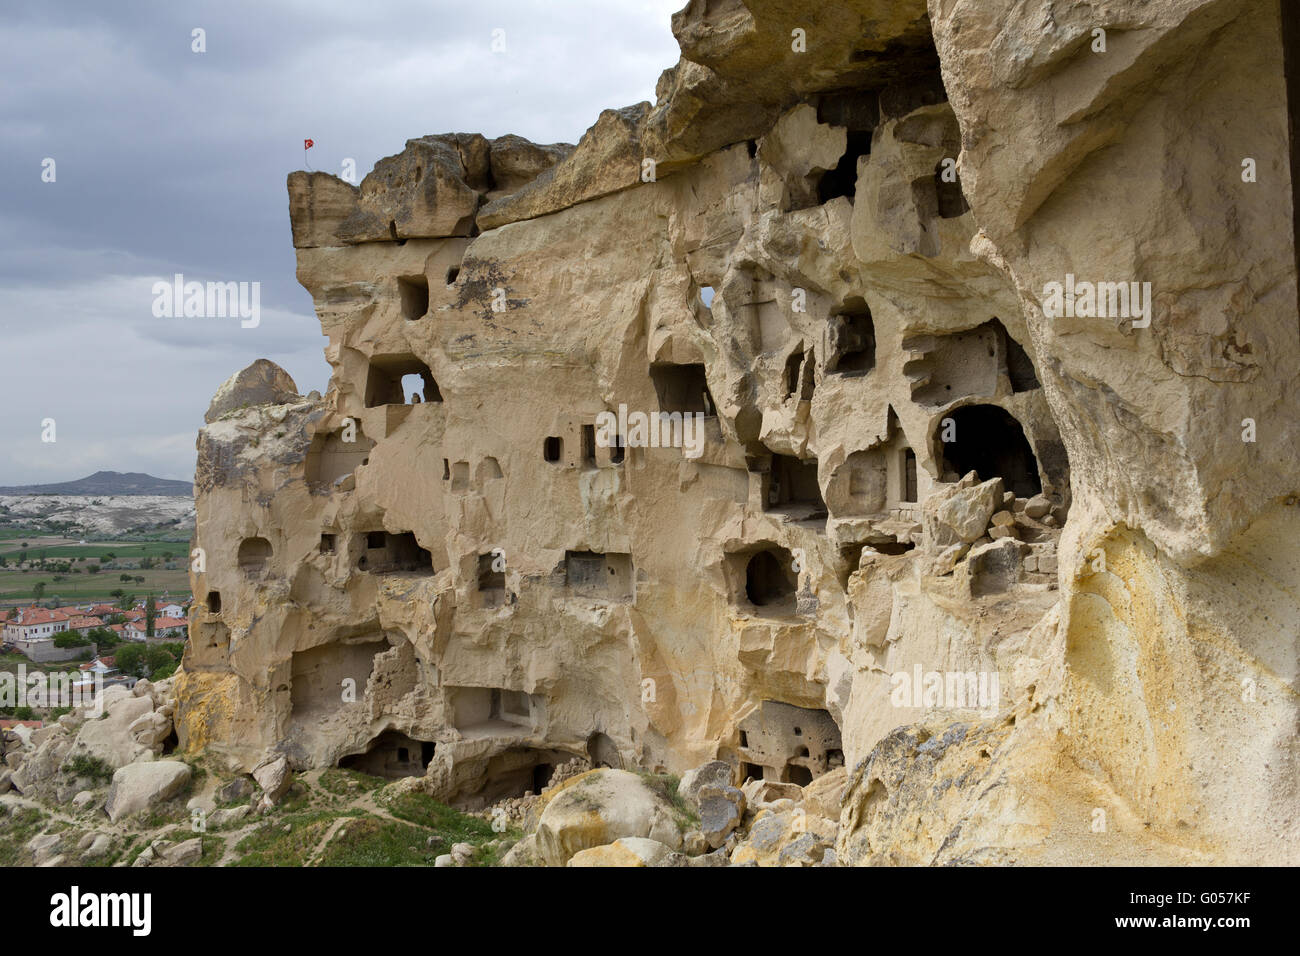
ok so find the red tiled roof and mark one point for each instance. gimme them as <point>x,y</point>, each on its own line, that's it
<point>163,623</point>
<point>37,615</point>
<point>77,622</point>
<point>6,724</point>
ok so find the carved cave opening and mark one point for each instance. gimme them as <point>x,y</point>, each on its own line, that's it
<point>989,441</point>
<point>392,755</point>
<point>387,553</point>
<point>789,744</point>
<point>254,553</point>
<point>389,376</point>
<point>413,293</point>
<point>682,388</point>
<point>851,339</point>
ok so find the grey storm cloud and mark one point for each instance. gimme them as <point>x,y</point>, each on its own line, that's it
<point>169,161</point>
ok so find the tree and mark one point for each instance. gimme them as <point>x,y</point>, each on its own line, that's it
<point>70,639</point>
<point>125,601</point>
<point>150,615</point>
<point>160,661</point>
<point>130,659</point>
<point>38,592</point>
<point>92,568</point>
<point>145,660</point>
<point>105,637</point>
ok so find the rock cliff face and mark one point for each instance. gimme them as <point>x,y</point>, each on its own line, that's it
<point>1027,573</point>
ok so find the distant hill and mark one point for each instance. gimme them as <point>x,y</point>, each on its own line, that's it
<point>108,483</point>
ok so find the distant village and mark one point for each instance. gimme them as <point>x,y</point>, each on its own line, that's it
<point>81,632</point>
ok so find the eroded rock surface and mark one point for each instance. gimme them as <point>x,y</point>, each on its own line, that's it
<point>989,570</point>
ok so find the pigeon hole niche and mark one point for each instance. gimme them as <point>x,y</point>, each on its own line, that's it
<point>789,744</point>
<point>413,294</point>
<point>988,440</point>
<point>600,576</point>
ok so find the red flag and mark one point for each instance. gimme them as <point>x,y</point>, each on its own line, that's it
<point>307,144</point>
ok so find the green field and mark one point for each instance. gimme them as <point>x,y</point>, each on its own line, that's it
<point>63,548</point>
<point>16,586</point>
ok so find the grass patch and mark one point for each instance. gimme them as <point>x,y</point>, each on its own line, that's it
<point>269,845</point>
<point>665,784</point>
<point>370,841</point>
<point>85,765</point>
<point>452,825</point>
<point>15,831</point>
<point>348,783</point>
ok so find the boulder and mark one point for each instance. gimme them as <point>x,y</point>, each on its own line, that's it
<point>228,815</point>
<point>716,772</point>
<point>955,515</point>
<point>1037,506</point>
<point>99,846</point>
<point>140,786</point>
<point>274,777</point>
<point>628,851</point>
<point>601,806</point>
<point>262,383</point>
<point>241,788</point>
<point>721,810</point>
<point>151,730</point>
<point>110,738</point>
<point>44,846</point>
<point>178,854</point>
<point>801,836</point>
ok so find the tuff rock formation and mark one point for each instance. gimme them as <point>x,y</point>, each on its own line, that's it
<point>946,574</point>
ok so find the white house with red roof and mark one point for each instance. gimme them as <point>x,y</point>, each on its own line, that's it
<point>32,623</point>
<point>32,630</point>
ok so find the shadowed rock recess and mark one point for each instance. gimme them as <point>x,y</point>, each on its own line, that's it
<point>947,578</point>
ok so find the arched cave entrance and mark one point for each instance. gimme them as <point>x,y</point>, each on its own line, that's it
<point>989,441</point>
<point>769,581</point>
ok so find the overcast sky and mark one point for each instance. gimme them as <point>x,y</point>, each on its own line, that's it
<point>168,160</point>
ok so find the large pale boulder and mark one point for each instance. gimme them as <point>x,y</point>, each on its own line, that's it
<point>956,514</point>
<point>262,383</point>
<point>140,786</point>
<point>625,852</point>
<point>111,737</point>
<point>599,807</point>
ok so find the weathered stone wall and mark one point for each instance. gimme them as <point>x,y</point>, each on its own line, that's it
<point>897,443</point>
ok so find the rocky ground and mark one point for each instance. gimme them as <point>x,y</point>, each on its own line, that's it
<point>98,515</point>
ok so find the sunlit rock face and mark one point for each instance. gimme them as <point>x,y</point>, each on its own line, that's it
<point>1027,574</point>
